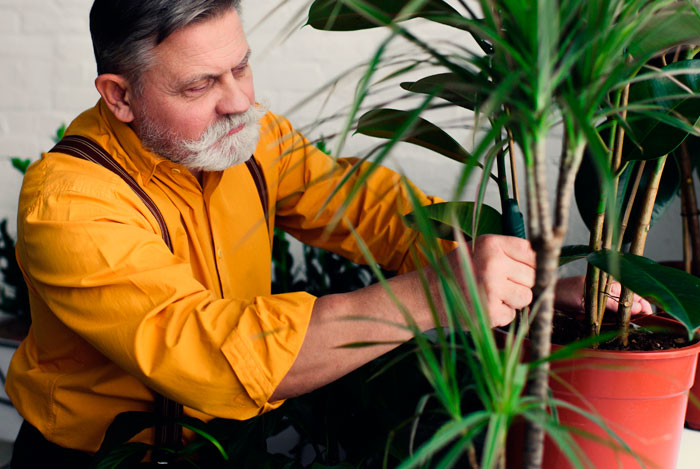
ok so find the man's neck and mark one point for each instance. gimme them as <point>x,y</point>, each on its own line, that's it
<point>198,175</point>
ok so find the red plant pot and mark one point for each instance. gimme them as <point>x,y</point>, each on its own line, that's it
<point>641,396</point>
<point>692,415</point>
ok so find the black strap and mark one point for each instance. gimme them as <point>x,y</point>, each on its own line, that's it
<point>86,149</point>
<point>167,434</point>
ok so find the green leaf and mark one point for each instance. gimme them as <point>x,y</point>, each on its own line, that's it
<point>124,456</point>
<point>673,290</point>
<point>59,133</point>
<point>342,465</point>
<point>124,427</point>
<point>20,164</point>
<point>654,132</point>
<point>573,253</point>
<point>336,15</point>
<point>441,215</point>
<point>200,428</point>
<point>666,30</point>
<point>386,123</point>
<point>458,90</point>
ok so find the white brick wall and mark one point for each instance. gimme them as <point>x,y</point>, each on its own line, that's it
<point>47,72</point>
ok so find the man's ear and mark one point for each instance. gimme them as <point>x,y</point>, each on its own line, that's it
<point>116,92</point>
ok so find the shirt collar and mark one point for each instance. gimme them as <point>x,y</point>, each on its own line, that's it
<point>145,161</point>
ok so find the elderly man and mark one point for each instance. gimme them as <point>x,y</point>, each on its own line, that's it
<point>126,306</point>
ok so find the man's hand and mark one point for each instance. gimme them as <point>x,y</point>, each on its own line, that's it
<point>505,272</point>
<point>570,291</point>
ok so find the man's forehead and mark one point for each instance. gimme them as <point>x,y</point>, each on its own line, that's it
<point>208,46</point>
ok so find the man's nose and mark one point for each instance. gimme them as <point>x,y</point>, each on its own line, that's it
<point>233,99</point>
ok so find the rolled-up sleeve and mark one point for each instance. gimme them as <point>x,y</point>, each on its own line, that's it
<point>313,188</point>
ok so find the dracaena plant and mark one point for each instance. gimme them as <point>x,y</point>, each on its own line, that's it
<point>524,70</point>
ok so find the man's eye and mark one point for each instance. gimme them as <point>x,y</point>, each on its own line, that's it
<point>197,88</point>
<point>240,71</point>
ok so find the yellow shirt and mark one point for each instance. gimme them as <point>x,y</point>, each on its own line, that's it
<point>115,313</point>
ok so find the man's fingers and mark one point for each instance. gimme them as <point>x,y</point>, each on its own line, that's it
<point>639,304</point>
<point>520,274</point>
<point>516,249</point>
<point>518,297</point>
<point>520,250</point>
<point>501,314</point>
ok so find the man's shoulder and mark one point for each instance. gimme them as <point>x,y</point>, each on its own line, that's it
<point>57,175</point>
<point>273,126</point>
<point>278,138</point>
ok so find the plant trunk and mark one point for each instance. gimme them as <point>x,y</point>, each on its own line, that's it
<point>593,277</point>
<point>539,226</point>
<point>547,242</point>
<point>689,210</point>
<point>540,337</point>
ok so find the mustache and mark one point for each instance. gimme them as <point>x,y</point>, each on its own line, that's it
<point>224,125</point>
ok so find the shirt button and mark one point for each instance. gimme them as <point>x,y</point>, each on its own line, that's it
<point>175,170</point>
<point>220,253</point>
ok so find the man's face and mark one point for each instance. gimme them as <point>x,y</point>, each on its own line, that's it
<point>197,106</point>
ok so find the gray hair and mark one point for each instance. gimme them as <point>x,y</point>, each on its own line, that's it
<point>125,32</point>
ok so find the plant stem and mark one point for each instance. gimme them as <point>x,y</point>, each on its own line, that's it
<point>687,248</point>
<point>502,178</point>
<point>624,222</point>
<point>513,167</point>
<point>591,293</point>
<point>609,228</point>
<point>690,210</point>
<point>539,228</point>
<point>604,281</point>
<point>638,242</point>
<point>547,246</point>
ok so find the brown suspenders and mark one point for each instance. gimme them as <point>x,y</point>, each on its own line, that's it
<point>167,433</point>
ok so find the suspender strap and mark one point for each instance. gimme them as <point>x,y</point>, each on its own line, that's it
<point>167,433</point>
<point>260,185</point>
<point>86,149</point>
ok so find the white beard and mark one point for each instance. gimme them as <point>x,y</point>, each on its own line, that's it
<point>214,150</point>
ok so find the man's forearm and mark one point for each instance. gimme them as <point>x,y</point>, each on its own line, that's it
<point>365,315</point>
<point>505,274</point>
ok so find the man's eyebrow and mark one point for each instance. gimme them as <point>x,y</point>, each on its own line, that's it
<point>245,59</point>
<point>209,76</point>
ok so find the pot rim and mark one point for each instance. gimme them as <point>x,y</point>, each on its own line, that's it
<point>687,350</point>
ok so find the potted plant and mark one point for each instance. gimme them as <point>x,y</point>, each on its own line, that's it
<point>525,68</point>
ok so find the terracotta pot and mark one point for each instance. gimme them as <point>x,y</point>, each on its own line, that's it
<point>641,396</point>
<point>692,415</point>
